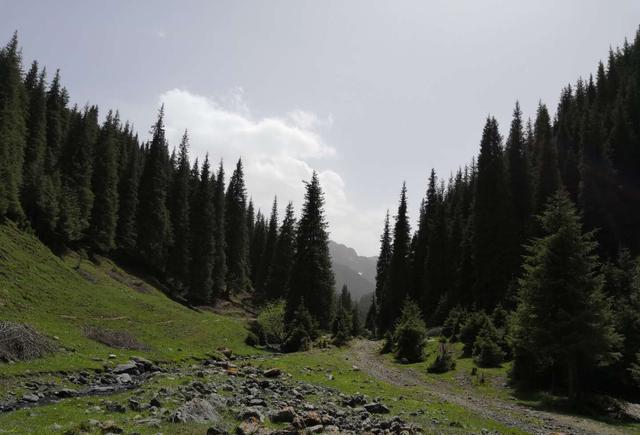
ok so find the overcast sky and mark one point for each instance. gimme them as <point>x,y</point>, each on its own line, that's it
<point>368,93</point>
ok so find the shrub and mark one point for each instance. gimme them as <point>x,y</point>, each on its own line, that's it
<point>486,351</point>
<point>297,341</point>
<point>451,326</point>
<point>252,339</point>
<point>387,345</point>
<point>444,361</point>
<point>341,328</point>
<point>270,323</point>
<point>410,334</point>
<point>470,330</point>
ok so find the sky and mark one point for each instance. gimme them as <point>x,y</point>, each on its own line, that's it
<point>367,93</point>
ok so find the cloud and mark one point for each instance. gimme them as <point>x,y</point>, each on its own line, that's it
<point>276,153</point>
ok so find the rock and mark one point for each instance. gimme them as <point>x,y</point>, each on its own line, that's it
<point>225,351</point>
<point>124,378</point>
<point>30,397</point>
<point>116,407</point>
<point>135,404</point>
<point>355,400</point>
<point>197,411</point>
<point>284,415</point>
<point>55,427</point>
<point>128,367</point>
<point>248,427</point>
<point>312,418</point>
<point>250,414</point>
<point>66,392</point>
<point>376,408</point>
<point>110,426</point>
<point>112,356</point>
<point>155,402</point>
<point>272,373</point>
<point>318,428</point>
<point>257,402</point>
<point>216,431</point>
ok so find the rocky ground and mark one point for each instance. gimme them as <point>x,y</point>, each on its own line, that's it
<point>228,395</point>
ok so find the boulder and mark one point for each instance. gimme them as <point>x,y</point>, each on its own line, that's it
<point>128,367</point>
<point>283,415</point>
<point>376,408</point>
<point>66,392</point>
<point>272,373</point>
<point>197,411</point>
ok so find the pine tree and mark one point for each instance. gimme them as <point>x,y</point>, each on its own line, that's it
<point>236,238</point>
<point>547,180</point>
<point>154,225</point>
<point>491,221</point>
<point>312,279</point>
<point>345,299</point>
<point>371,321</point>
<point>33,188</point>
<point>77,195</point>
<point>129,181</point>
<point>269,250</point>
<point>219,256</point>
<point>202,240</point>
<point>564,321</point>
<point>278,278</point>
<point>382,269</point>
<point>396,288</point>
<point>257,246</point>
<point>13,113</point>
<point>180,253</point>
<point>104,216</point>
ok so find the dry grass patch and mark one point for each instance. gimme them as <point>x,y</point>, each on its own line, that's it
<point>115,339</point>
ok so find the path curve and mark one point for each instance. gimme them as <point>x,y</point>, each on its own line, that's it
<point>365,354</point>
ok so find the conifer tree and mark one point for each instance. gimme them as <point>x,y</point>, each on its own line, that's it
<point>271,239</point>
<point>236,239</point>
<point>491,221</point>
<point>179,254</point>
<point>154,224</point>
<point>33,192</point>
<point>13,101</point>
<point>382,269</point>
<point>277,285</point>
<point>77,195</point>
<point>371,321</point>
<point>257,246</point>
<point>126,232</point>
<point>564,321</point>
<point>312,279</point>
<point>202,240</point>
<point>345,299</point>
<point>219,257</point>
<point>104,216</point>
<point>396,288</point>
<point>546,166</point>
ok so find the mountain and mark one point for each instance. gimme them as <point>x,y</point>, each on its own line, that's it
<point>357,272</point>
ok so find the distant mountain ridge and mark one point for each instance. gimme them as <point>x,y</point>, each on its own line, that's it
<point>357,272</point>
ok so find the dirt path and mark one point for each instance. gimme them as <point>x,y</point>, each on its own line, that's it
<point>366,356</point>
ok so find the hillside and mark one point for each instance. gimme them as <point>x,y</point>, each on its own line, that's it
<point>358,273</point>
<point>66,298</point>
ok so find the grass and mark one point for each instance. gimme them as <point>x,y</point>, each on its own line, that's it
<point>61,300</point>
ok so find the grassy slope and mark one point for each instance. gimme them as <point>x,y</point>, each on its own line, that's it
<point>47,292</point>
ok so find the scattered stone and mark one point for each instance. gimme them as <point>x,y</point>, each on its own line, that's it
<point>250,414</point>
<point>248,427</point>
<point>116,407</point>
<point>124,378</point>
<point>196,410</point>
<point>376,408</point>
<point>66,392</point>
<point>134,404</point>
<point>272,373</point>
<point>112,356</point>
<point>216,431</point>
<point>284,415</point>
<point>110,426</point>
<point>155,402</point>
<point>30,397</point>
<point>128,367</point>
<point>226,352</point>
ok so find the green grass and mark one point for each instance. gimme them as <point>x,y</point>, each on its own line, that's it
<point>50,294</point>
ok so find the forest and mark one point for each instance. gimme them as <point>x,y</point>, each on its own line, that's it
<point>529,253</point>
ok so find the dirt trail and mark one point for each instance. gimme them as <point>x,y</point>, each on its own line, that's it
<point>366,356</point>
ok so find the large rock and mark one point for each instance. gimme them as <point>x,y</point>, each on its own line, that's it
<point>197,411</point>
<point>250,414</point>
<point>376,408</point>
<point>128,367</point>
<point>272,373</point>
<point>283,415</point>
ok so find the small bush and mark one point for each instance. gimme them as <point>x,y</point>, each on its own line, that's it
<point>486,351</point>
<point>270,322</point>
<point>252,339</point>
<point>445,360</point>
<point>410,334</point>
<point>470,330</point>
<point>341,328</point>
<point>387,344</point>
<point>297,341</point>
<point>20,342</point>
<point>453,323</point>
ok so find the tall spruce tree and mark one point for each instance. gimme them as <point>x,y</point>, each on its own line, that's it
<point>257,245</point>
<point>13,112</point>
<point>277,285</point>
<point>312,281</point>
<point>236,238</point>
<point>180,253</point>
<point>383,318</point>
<point>491,221</point>
<point>397,281</point>
<point>564,322</point>
<point>547,180</point>
<point>104,216</point>
<point>219,257</point>
<point>202,241</point>
<point>129,181</point>
<point>271,238</point>
<point>154,224</point>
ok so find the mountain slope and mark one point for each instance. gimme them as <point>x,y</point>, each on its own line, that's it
<point>66,298</point>
<point>354,271</point>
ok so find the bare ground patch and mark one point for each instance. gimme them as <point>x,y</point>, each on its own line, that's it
<point>115,339</point>
<point>131,282</point>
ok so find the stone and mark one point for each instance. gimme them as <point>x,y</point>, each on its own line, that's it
<point>110,426</point>
<point>116,407</point>
<point>376,408</point>
<point>112,356</point>
<point>30,397</point>
<point>216,431</point>
<point>283,415</point>
<point>197,411</point>
<point>228,353</point>
<point>155,402</point>
<point>124,378</point>
<point>66,392</point>
<point>318,428</point>
<point>249,414</point>
<point>248,427</point>
<point>135,404</point>
<point>128,367</point>
<point>272,373</point>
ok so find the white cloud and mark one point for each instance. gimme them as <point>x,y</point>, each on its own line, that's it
<point>275,151</point>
